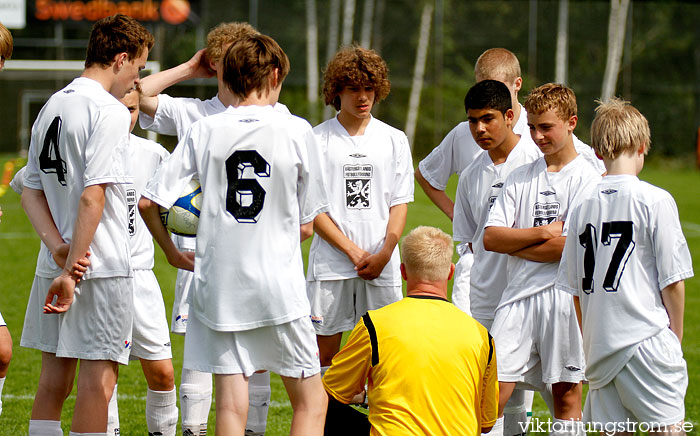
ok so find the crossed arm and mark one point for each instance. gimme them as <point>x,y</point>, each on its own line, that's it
<point>538,244</point>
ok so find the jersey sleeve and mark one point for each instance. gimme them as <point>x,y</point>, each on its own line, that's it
<point>437,167</point>
<point>174,173</point>
<point>502,213</point>
<point>463,222</point>
<point>350,368</point>
<point>403,182</point>
<point>673,262</point>
<point>165,120</point>
<point>489,391</point>
<point>17,182</point>
<point>567,275</point>
<point>106,151</point>
<point>311,189</point>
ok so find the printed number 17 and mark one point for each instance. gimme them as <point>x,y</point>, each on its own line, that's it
<point>621,230</point>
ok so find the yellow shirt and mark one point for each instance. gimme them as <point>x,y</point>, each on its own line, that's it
<point>430,369</point>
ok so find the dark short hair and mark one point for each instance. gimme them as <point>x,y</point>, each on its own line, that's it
<point>116,34</point>
<point>488,94</point>
<point>248,63</point>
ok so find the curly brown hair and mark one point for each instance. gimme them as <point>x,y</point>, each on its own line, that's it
<point>221,36</point>
<point>355,66</point>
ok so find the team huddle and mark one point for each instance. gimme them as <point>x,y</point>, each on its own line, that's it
<point>534,310</point>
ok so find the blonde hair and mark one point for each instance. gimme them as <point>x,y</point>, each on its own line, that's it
<point>5,42</point>
<point>552,97</point>
<point>426,253</point>
<point>497,64</point>
<point>619,127</point>
<point>223,35</point>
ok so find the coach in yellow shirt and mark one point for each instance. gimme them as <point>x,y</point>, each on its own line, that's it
<point>430,368</point>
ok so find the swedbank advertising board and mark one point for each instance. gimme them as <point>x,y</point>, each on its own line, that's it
<point>168,11</point>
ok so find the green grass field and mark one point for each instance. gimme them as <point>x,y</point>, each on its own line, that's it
<point>19,246</point>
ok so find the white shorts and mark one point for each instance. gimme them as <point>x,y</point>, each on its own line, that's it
<point>288,349</point>
<point>180,305</point>
<point>650,388</point>
<point>97,326</point>
<point>337,305</point>
<point>461,286</point>
<point>150,335</point>
<point>538,341</point>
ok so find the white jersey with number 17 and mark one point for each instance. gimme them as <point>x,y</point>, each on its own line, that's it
<point>260,177</point>
<point>624,245</point>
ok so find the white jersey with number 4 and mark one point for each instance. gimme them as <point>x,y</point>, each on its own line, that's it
<point>260,180</point>
<point>80,139</point>
<point>479,186</point>
<point>146,157</point>
<point>366,176</point>
<point>624,245</point>
<point>174,116</point>
<point>532,197</point>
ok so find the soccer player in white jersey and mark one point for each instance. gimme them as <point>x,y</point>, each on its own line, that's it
<point>490,117</point>
<point>75,184</point>
<point>150,337</point>
<point>174,116</point>
<point>354,260</point>
<point>534,325</point>
<point>260,177</point>
<point>5,337</point>
<point>625,263</point>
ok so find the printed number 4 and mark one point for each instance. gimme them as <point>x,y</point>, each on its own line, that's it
<point>50,157</point>
<point>245,197</point>
<point>621,230</point>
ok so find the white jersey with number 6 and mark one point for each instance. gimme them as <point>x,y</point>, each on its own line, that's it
<point>624,245</point>
<point>260,180</point>
<point>80,139</point>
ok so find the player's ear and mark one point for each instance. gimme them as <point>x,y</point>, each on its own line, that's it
<point>452,271</point>
<point>120,59</point>
<point>572,123</point>
<point>518,84</point>
<point>509,116</point>
<point>403,271</point>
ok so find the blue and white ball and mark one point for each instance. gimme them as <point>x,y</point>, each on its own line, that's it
<point>183,217</point>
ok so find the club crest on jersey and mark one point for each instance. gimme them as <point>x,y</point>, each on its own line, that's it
<point>548,193</point>
<point>131,207</point>
<point>358,186</point>
<point>357,155</point>
<point>545,213</point>
<point>608,191</point>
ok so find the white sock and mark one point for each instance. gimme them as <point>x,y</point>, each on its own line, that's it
<point>497,429</point>
<point>113,415</point>
<point>567,427</point>
<point>2,383</point>
<point>40,427</point>
<point>515,414</point>
<point>259,394</point>
<point>195,401</point>
<point>548,399</point>
<point>72,433</point>
<point>161,412</point>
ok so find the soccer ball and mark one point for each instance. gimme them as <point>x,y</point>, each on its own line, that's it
<point>183,217</point>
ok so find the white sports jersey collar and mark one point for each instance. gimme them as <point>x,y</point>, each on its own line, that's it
<point>250,109</point>
<point>339,128</point>
<point>216,101</point>
<point>91,83</point>
<point>618,178</point>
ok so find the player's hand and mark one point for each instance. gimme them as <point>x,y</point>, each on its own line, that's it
<point>552,230</point>
<point>357,255</point>
<point>60,255</point>
<point>183,260</point>
<point>370,267</point>
<point>199,65</point>
<point>63,288</point>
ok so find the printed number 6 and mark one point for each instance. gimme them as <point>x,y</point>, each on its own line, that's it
<point>245,197</point>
